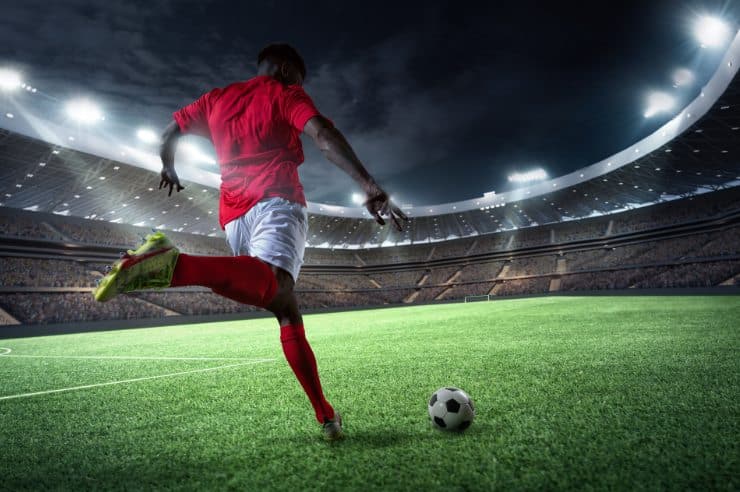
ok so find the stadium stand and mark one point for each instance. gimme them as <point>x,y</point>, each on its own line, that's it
<point>50,263</point>
<point>42,272</point>
<point>194,302</point>
<point>62,307</point>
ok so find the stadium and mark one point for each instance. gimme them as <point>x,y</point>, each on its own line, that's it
<point>592,317</point>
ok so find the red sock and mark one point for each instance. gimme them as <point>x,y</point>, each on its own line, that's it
<point>244,279</point>
<point>302,361</point>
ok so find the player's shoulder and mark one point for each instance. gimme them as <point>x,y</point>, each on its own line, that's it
<point>295,93</point>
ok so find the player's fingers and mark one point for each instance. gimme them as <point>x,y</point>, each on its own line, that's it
<point>397,215</point>
<point>400,213</point>
<point>396,223</point>
<point>179,187</point>
<point>379,219</point>
<point>161,183</point>
<point>172,185</point>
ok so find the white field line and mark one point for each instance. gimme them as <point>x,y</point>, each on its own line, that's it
<point>160,376</point>
<point>7,351</point>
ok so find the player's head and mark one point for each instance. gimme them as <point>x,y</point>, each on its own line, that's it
<point>281,61</point>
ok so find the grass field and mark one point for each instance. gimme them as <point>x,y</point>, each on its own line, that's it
<point>628,393</point>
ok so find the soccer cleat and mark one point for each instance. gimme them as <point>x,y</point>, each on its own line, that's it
<point>149,267</point>
<point>333,428</point>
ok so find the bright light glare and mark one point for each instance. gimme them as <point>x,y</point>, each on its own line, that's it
<point>683,77</point>
<point>9,79</point>
<point>357,198</point>
<point>84,111</point>
<point>534,175</point>
<point>194,153</point>
<point>658,102</point>
<point>147,135</point>
<point>711,31</point>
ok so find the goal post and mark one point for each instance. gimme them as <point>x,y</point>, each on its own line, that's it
<point>484,297</point>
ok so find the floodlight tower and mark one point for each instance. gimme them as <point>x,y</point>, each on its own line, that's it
<point>10,80</point>
<point>84,111</point>
<point>659,102</point>
<point>711,32</point>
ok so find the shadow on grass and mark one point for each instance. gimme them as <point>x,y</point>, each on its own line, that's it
<point>375,438</point>
<point>385,437</point>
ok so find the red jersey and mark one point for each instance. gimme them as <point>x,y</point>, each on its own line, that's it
<point>255,127</point>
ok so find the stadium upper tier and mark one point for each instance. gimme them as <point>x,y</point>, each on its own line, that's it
<point>689,155</point>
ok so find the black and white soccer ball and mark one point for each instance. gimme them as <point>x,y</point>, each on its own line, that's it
<point>451,409</point>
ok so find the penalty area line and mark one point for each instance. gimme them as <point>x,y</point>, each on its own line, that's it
<point>146,378</point>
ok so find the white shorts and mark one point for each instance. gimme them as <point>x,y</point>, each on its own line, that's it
<point>274,230</point>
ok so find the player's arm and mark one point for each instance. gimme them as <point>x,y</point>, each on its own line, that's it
<point>170,136</point>
<point>337,149</point>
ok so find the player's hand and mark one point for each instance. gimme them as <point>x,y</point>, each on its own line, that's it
<point>169,178</point>
<point>379,204</point>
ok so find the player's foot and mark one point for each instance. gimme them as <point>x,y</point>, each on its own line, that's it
<point>149,267</point>
<point>333,428</point>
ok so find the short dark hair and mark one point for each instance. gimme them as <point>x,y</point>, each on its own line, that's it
<point>284,52</point>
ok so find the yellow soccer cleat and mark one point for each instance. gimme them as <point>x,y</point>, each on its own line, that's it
<point>149,267</point>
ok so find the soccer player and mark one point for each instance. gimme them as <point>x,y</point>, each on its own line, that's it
<point>255,127</point>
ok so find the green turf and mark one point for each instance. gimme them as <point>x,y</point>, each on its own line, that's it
<point>628,393</point>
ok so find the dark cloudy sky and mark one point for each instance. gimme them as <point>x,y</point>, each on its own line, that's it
<point>442,100</point>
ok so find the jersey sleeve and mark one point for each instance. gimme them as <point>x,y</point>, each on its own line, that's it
<point>298,107</point>
<point>193,118</point>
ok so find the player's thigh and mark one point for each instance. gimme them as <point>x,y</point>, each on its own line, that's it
<point>238,236</point>
<point>278,235</point>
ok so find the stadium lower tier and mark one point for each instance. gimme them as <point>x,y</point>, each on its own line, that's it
<point>59,306</point>
<point>48,267</point>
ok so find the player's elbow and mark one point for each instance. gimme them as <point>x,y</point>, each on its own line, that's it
<point>169,136</point>
<point>327,138</point>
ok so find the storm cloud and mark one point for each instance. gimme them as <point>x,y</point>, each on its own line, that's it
<point>440,100</point>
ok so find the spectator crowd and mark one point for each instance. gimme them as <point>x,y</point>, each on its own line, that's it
<point>450,270</point>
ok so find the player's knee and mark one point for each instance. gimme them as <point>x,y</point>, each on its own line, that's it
<point>284,279</point>
<point>284,305</point>
<point>286,310</point>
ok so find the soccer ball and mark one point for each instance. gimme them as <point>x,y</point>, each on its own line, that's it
<point>451,409</point>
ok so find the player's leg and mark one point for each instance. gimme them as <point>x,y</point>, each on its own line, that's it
<point>298,351</point>
<point>244,279</point>
<point>159,264</point>
<point>277,235</point>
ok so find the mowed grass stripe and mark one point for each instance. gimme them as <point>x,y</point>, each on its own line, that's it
<point>620,393</point>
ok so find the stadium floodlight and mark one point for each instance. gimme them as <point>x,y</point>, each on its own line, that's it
<point>357,198</point>
<point>533,175</point>
<point>659,102</point>
<point>682,77</point>
<point>84,111</point>
<point>10,80</point>
<point>711,31</point>
<point>147,135</point>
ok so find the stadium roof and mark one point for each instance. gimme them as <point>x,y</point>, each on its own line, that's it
<point>695,152</point>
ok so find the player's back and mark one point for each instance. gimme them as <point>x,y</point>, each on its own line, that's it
<point>248,120</point>
<point>255,127</point>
